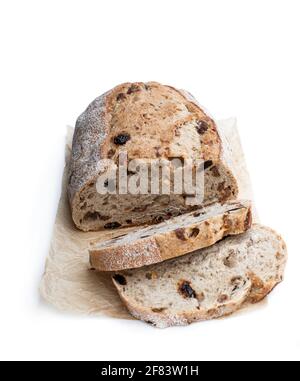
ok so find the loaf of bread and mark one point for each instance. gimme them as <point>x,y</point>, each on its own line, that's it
<point>207,283</point>
<point>150,121</point>
<point>172,238</point>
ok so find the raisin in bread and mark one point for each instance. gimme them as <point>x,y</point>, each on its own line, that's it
<point>150,121</point>
<point>207,283</point>
<point>172,238</point>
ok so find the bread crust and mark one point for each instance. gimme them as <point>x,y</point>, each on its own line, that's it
<point>166,240</point>
<point>106,116</point>
<point>255,291</point>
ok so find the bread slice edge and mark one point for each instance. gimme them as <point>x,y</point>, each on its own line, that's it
<point>255,292</point>
<point>233,218</point>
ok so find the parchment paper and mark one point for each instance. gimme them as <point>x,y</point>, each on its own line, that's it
<point>68,283</point>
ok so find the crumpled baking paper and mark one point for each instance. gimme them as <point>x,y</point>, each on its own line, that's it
<point>68,283</point>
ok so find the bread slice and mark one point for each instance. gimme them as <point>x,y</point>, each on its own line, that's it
<point>150,121</point>
<point>172,238</point>
<point>207,283</point>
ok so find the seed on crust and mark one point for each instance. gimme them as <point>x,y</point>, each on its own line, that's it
<point>180,234</point>
<point>194,232</point>
<point>201,127</point>
<point>121,96</point>
<point>121,139</point>
<point>133,89</point>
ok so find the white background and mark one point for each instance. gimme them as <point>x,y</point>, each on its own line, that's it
<point>239,58</point>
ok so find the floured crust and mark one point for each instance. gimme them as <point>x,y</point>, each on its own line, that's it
<point>159,122</point>
<point>172,238</point>
<point>260,256</point>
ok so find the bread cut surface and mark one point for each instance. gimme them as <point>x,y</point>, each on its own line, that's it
<point>175,237</point>
<point>150,121</point>
<point>207,283</point>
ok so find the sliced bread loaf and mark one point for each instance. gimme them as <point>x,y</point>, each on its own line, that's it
<point>149,121</point>
<point>175,237</point>
<point>207,283</point>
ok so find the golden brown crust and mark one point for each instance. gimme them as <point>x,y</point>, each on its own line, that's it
<point>172,124</point>
<point>157,112</point>
<point>233,218</point>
